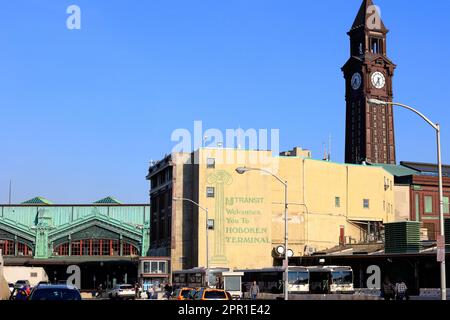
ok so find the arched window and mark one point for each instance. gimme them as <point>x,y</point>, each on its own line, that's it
<point>8,248</point>
<point>95,247</point>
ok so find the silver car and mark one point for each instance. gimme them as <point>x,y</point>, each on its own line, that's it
<point>123,291</point>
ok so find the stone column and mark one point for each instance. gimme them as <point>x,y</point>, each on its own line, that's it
<point>219,179</point>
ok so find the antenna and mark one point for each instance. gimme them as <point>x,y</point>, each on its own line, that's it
<point>329,147</point>
<point>325,153</point>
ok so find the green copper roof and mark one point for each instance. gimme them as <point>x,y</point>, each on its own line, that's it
<point>37,200</point>
<point>108,200</point>
<point>397,171</point>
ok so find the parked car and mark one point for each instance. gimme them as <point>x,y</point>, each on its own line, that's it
<point>55,292</point>
<point>122,291</point>
<point>211,294</point>
<point>43,283</point>
<point>22,283</point>
<point>183,294</point>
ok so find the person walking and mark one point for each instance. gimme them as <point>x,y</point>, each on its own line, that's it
<point>137,292</point>
<point>401,290</point>
<point>154,294</point>
<point>100,291</point>
<point>254,291</point>
<point>388,290</point>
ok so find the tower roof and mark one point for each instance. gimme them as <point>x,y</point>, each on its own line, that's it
<point>38,200</point>
<point>368,16</point>
<point>108,200</point>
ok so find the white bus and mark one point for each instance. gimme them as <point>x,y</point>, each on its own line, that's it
<point>198,278</point>
<point>219,278</point>
<point>270,280</point>
<point>331,280</point>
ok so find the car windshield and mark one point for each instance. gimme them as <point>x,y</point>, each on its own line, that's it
<point>186,293</point>
<point>126,287</point>
<point>215,295</point>
<point>55,294</point>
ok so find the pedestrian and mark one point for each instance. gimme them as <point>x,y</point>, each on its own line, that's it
<point>100,291</point>
<point>154,294</point>
<point>388,290</point>
<point>401,290</point>
<point>254,291</point>
<point>167,291</point>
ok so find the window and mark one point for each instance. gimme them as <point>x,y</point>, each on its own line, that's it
<point>376,45</point>
<point>23,249</point>
<point>428,204</point>
<point>95,247</point>
<point>129,250</point>
<point>446,205</point>
<point>162,267</point>
<point>62,250</point>
<point>76,248</point>
<point>417,206</point>
<point>366,203</point>
<point>337,202</point>
<point>106,247</point>
<point>147,267</point>
<point>210,192</point>
<point>210,163</point>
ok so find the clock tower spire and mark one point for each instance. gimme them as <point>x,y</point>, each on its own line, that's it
<point>368,74</point>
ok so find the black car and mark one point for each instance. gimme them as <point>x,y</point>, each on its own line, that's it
<point>22,283</point>
<point>55,292</point>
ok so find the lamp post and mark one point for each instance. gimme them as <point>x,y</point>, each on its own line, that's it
<point>207,231</point>
<point>436,127</point>
<point>242,170</point>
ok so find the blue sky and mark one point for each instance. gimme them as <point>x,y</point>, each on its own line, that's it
<point>83,111</point>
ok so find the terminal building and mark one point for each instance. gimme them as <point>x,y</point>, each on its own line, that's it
<point>108,240</point>
<point>330,204</point>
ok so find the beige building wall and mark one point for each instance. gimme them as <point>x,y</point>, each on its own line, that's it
<point>183,246</point>
<point>402,203</point>
<point>248,209</point>
<point>13,274</point>
<point>240,209</point>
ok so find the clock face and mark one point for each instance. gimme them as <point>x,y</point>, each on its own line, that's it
<point>356,81</point>
<point>378,80</point>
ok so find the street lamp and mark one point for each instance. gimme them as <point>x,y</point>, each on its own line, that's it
<point>207,231</point>
<point>242,170</point>
<point>436,126</point>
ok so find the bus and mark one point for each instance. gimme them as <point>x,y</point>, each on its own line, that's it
<point>331,280</point>
<point>270,280</point>
<point>197,278</point>
<point>219,278</point>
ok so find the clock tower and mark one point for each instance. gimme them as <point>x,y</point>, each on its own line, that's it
<point>368,74</point>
